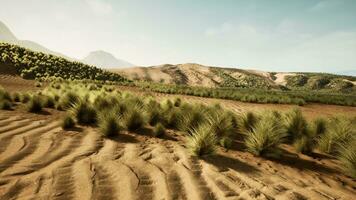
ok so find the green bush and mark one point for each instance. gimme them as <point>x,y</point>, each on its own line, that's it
<point>16,97</point>
<point>296,125</point>
<point>339,132</point>
<point>25,97</point>
<point>202,141</point>
<point>264,138</point>
<point>246,122</point>
<point>68,122</point>
<point>347,157</point>
<point>68,100</point>
<point>109,123</point>
<point>159,130</point>
<point>84,112</point>
<point>35,104</point>
<point>133,119</point>
<point>5,104</point>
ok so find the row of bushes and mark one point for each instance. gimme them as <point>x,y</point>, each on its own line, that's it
<point>206,127</point>
<point>255,95</point>
<point>30,65</point>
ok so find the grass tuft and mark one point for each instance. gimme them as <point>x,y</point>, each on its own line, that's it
<point>265,136</point>
<point>68,122</point>
<point>159,130</point>
<point>109,123</point>
<point>35,104</point>
<point>202,141</point>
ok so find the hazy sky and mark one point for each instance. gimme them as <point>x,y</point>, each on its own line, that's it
<point>274,35</point>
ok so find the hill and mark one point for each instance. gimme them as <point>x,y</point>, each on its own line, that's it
<point>96,58</point>
<point>30,65</point>
<point>192,74</point>
<point>105,60</point>
<point>7,36</point>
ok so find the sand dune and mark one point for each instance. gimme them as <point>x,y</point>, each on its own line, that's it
<point>38,160</point>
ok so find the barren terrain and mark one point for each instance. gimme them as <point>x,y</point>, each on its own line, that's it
<point>39,160</point>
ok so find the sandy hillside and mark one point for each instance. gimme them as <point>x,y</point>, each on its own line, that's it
<point>38,160</point>
<point>193,74</point>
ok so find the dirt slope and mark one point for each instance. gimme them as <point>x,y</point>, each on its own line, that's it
<point>38,160</point>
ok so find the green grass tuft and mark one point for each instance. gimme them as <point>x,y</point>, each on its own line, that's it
<point>159,130</point>
<point>265,136</point>
<point>202,141</point>
<point>35,104</point>
<point>68,122</point>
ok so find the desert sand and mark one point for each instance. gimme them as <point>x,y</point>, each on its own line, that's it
<point>39,160</point>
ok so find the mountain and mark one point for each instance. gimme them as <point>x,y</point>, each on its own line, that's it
<point>105,60</point>
<point>96,58</point>
<point>7,36</point>
<point>347,72</point>
<point>207,76</point>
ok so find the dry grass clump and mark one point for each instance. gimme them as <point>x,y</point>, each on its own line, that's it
<point>347,157</point>
<point>133,118</point>
<point>191,117</point>
<point>159,130</point>
<point>68,122</point>
<point>246,122</point>
<point>68,100</point>
<point>266,135</point>
<point>16,97</point>
<point>5,104</point>
<point>25,97</point>
<point>339,132</point>
<point>109,123</point>
<point>296,125</point>
<point>84,112</point>
<point>202,141</point>
<point>35,104</point>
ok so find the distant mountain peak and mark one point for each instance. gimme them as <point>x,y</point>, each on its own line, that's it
<point>6,34</point>
<point>104,59</point>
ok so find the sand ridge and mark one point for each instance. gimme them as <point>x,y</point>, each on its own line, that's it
<point>39,160</point>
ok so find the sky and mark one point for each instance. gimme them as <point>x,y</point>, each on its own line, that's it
<point>272,35</point>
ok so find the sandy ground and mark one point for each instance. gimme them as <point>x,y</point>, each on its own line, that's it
<point>39,160</point>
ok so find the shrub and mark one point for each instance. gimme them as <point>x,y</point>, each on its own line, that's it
<point>225,142</point>
<point>108,123</point>
<point>133,119</point>
<point>202,141</point>
<point>68,122</point>
<point>5,95</point>
<point>177,102</point>
<point>25,98</point>
<point>340,131</point>
<point>49,102</point>
<point>68,100</point>
<point>265,136</point>
<point>221,124</point>
<point>190,118</point>
<point>16,97</point>
<point>347,157</point>
<point>159,130</point>
<point>84,112</point>
<point>35,104</point>
<point>5,104</point>
<point>246,122</point>
<point>306,143</point>
<point>296,125</point>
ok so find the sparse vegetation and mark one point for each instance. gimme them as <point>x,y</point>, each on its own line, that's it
<point>35,104</point>
<point>68,122</point>
<point>265,137</point>
<point>84,112</point>
<point>202,141</point>
<point>159,130</point>
<point>109,123</point>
